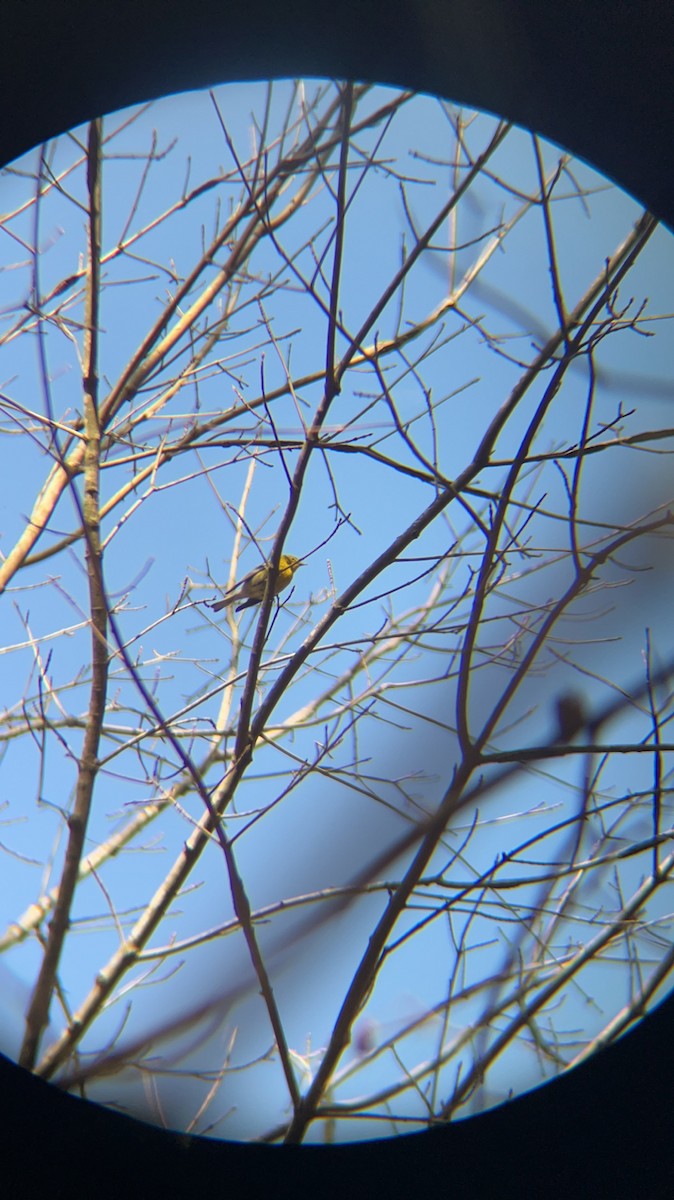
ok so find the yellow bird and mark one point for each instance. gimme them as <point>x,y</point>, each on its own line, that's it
<point>252,587</point>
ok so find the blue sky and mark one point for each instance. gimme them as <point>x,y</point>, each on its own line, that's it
<point>176,544</point>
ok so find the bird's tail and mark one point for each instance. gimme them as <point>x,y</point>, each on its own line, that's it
<point>224,603</point>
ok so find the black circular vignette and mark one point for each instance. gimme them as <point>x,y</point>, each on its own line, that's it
<point>595,77</point>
